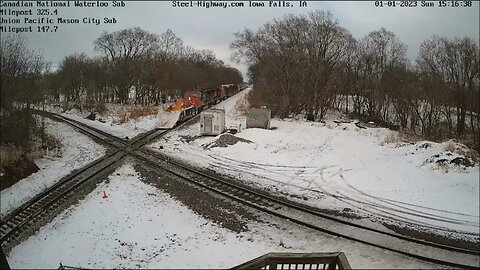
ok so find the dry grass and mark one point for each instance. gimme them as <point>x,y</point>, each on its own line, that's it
<point>121,118</point>
<point>412,137</point>
<point>398,137</point>
<point>142,111</point>
<point>450,147</point>
<point>393,137</point>
<point>462,150</point>
<point>242,106</point>
<point>135,113</point>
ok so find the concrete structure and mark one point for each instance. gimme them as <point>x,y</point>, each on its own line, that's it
<point>258,118</point>
<point>212,122</point>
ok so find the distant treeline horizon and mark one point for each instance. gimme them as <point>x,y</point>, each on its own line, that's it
<point>308,64</point>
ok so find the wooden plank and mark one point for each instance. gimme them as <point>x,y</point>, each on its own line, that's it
<point>304,258</point>
<point>272,260</point>
<point>343,262</point>
<point>256,263</point>
<point>332,266</point>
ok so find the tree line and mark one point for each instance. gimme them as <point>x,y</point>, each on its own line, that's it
<point>21,76</point>
<point>309,64</point>
<point>151,66</point>
<point>154,65</point>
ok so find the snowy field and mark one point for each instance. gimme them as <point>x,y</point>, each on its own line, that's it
<point>330,165</point>
<point>343,167</point>
<point>140,226</point>
<point>116,120</point>
<point>77,151</point>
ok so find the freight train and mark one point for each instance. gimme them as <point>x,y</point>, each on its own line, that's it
<point>193,102</point>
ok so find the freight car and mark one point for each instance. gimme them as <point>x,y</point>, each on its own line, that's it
<point>193,102</point>
<point>211,96</point>
<point>231,89</point>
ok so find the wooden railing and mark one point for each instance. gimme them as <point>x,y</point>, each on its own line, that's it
<point>331,260</point>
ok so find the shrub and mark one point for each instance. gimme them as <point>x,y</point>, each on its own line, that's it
<point>9,154</point>
<point>101,108</point>
<point>450,147</point>
<point>256,99</point>
<point>122,118</point>
<point>242,106</point>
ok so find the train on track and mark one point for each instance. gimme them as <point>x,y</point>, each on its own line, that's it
<point>194,102</point>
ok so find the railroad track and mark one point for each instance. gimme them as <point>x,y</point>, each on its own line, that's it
<point>395,212</point>
<point>423,250</point>
<point>21,218</point>
<point>419,249</point>
<point>415,248</point>
<point>12,224</point>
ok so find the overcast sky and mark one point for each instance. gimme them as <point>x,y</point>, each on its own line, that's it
<point>213,28</point>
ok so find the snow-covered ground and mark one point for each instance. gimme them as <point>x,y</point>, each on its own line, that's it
<point>343,167</point>
<point>329,165</point>
<point>117,122</point>
<point>77,151</point>
<point>139,226</point>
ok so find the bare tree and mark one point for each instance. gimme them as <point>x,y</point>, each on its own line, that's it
<point>454,64</point>
<point>126,51</point>
<point>295,59</point>
<point>20,70</point>
<point>325,48</point>
<point>21,74</point>
<point>382,56</point>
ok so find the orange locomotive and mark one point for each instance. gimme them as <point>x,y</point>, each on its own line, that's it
<point>193,102</point>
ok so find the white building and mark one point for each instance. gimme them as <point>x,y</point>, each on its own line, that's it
<point>212,122</point>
